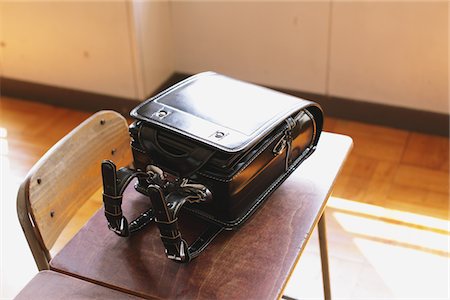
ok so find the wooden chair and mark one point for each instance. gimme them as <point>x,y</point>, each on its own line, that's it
<point>66,176</point>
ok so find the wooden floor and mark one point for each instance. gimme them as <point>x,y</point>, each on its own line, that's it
<point>387,220</point>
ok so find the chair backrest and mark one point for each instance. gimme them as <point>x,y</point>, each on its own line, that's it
<point>66,176</point>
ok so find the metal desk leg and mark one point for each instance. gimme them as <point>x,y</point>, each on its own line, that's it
<point>324,257</point>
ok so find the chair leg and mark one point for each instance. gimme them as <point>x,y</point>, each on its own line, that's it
<point>41,256</point>
<point>324,257</point>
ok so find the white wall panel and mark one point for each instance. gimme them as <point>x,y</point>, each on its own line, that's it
<point>2,43</point>
<point>283,44</point>
<point>394,53</point>
<point>154,43</point>
<point>78,45</point>
<point>391,52</point>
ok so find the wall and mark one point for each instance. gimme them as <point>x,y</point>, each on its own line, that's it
<point>79,45</point>
<point>153,36</point>
<point>394,53</point>
<point>391,52</point>
<point>283,44</point>
<point>117,48</point>
<point>387,52</point>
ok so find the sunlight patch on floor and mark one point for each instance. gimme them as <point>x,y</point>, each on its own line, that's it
<point>408,273</point>
<point>3,133</point>
<point>17,262</point>
<point>408,251</point>
<point>390,214</point>
<point>377,253</point>
<point>4,149</point>
<point>420,239</point>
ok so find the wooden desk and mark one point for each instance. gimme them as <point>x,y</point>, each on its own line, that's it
<point>254,262</point>
<point>52,285</point>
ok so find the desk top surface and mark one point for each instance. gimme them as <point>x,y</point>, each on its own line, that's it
<point>254,261</point>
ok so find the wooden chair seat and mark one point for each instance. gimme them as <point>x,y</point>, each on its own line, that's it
<point>52,285</point>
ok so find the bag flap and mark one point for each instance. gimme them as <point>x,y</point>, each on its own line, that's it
<point>219,111</point>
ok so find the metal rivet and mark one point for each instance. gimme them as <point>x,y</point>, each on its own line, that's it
<point>102,122</point>
<point>52,214</point>
<point>39,181</point>
<point>161,114</point>
<point>219,134</point>
<point>113,151</point>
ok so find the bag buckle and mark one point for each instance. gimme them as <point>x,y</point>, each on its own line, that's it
<point>279,147</point>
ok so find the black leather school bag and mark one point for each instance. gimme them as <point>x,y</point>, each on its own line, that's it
<point>213,146</point>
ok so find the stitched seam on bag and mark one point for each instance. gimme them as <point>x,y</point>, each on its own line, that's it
<point>263,149</point>
<point>310,115</point>
<point>138,150</point>
<point>261,197</point>
<point>247,164</point>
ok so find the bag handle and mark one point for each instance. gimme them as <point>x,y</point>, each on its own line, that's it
<point>184,164</point>
<point>166,197</point>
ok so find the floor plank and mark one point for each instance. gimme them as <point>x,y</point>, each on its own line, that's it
<point>427,151</point>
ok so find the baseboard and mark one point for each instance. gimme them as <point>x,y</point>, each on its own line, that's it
<point>380,114</point>
<point>74,99</point>
<point>368,112</point>
<point>64,97</point>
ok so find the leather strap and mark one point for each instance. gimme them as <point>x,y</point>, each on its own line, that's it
<point>166,198</point>
<point>166,211</point>
<point>114,184</point>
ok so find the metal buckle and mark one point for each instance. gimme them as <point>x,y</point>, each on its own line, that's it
<point>279,147</point>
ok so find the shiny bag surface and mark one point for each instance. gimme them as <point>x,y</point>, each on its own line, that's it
<point>215,147</point>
